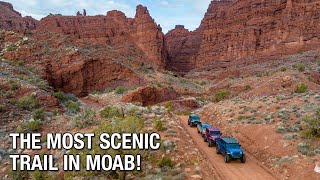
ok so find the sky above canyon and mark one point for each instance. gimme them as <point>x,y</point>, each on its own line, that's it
<point>168,13</point>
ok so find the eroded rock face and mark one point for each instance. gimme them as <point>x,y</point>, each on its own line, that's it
<point>12,20</point>
<point>235,30</point>
<point>113,28</point>
<point>151,95</point>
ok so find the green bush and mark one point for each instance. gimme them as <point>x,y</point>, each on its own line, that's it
<point>301,88</point>
<point>300,67</point>
<point>14,85</point>
<point>39,114</point>
<point>2,108</point>
<point>312,125</point>
<point>283,69</point>
<point>158,124</point>
<point>248,87</point>
<point>305,149</point>
<point>111,112</point>
<point>34,126</point>
<point>165,162</point>
<point>73,107</point>
<point>169,106</point>
<point>12,47</point>
<point>85,119</point>
<point>61,96</point>
<point>222,94</point>
<point>183,113</point>
<point>28,102</point>
<point>120,90</point>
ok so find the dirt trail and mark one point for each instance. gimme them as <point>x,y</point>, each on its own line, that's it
<point>233,170</point>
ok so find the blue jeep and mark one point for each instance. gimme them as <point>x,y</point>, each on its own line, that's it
<point>193,120</point>
<point>230,148</point>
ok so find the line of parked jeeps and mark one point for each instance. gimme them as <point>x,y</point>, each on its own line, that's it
<point>229,147</point>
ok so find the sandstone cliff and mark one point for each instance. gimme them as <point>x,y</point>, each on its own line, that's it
<point>12,20</point>
<point>234,30</point>
<point>114,28</point>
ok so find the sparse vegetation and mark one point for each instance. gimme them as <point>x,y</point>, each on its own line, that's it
<point>183,113</point>
<point>169,106</point>
<point>39,114</point>
<point>312,128</point>
<point>300,67</point>
<point>158,124</point>
<point>73,107</point>
<point>28,102</point>
<point>247,87</point>
<point>61,96</point>
<point>12,47</point>
<point>119,125</point>
<point>84,119</point>
<point>283,69</point>
<point>14,85</point>
<point>301,88</point>
<point>305,149</point>
<point>222,94</point>
<point>120,90</point>
<point>111,112</point>
<point>33,126</point>
<point>2,108</point>
<point>165,162</point>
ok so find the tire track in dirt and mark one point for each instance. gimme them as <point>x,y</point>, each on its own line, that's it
<point>232,171</point>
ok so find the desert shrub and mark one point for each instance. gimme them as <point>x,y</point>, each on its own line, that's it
<point>312,125</point>
<point>283,69</point>
<point>73,107</point>
<point>305,149</point>
<point>165,162</point>
<point>12,47</point>
<point>39,114</point>
<point>14,85</point>
<point>183,113</point>
<point>169,106</point>
<point>111,112</point>
<point>2,108</point>
<point>247,87</point>
<point>120,90</point>
<point>60,95</point>
<point>222,94</point>
<point>158,124</point>
<point>84,119</point>
<point>18,175</point>
<point>301,88</point>
<point>33,126</point>
<point>28,102</point>
<point>300,67</point>
<point>242,118</point>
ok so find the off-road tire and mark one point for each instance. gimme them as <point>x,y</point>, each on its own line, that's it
<point>227,158</point>
<point>243,159</point>
<point>217,150</point>
<point>210,143</point>
<point>205,139</point>
<point>198,130</point>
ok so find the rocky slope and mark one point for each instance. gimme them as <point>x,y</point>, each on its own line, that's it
<point>235,30</point>
<point>81,54</point>
<point>12,20</point>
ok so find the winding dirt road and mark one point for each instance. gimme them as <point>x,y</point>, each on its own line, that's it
<point>233,170</point>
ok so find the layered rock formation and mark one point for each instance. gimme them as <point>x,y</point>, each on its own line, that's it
<point>114,28</point>
<point>12,20</point>
<point>235,30</point>
<point>151,95</point>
